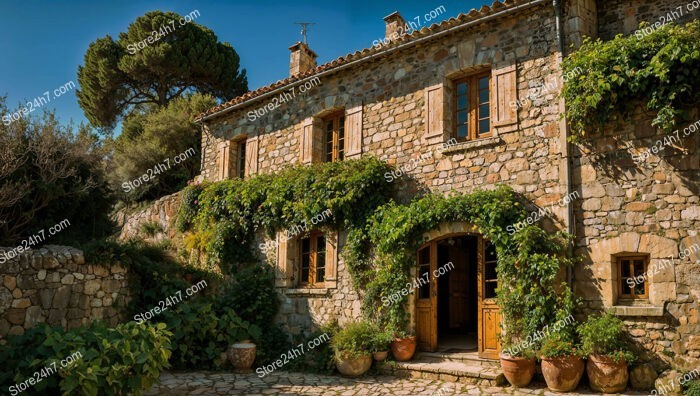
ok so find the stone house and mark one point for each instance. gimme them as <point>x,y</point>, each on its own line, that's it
<point>486,82</point>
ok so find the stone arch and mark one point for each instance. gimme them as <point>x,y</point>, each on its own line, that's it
<point>445,229</point>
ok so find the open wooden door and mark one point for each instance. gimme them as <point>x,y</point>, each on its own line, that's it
<point>426,299</point>
<point>489,316</point>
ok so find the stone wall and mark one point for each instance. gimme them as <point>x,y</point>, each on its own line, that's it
<point>624,16</point>
<point>54,285</point>
<point>161,213</point>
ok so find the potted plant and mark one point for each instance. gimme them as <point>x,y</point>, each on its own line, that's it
<point>517,362</point>
<point>380,344</point>
<point>602,340</point>
<point>403,346</point>
<point>352,348</point>
<point>562,365</point>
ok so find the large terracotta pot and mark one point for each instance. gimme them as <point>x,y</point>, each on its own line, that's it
<point>403,348</point>
<point>353,367</point>
<point>562,373</point>
<point>605,375</point>
<point>242,355</point>
<point>518,370</point>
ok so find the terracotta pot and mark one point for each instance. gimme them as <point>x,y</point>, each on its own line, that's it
<point>380,356</point>
<point>605,375</point>
<point>242,355</point>
<point>518,370</point>
<point>562,373</point>
<point>403,348</point>
<point>353,367</point>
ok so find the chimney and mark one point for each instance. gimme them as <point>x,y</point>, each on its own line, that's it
<point>302,59</point>
<point>396,26</point>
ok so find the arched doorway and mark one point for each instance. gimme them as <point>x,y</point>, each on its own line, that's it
<point>455,302</point>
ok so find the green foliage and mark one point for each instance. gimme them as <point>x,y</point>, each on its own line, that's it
<point>354,340</point>
<point>50,173</point>
<point>151,228</point>
<point>273,341</point>
<point>321,359</point>
<point>149,138</point>
<point>201,334</point>
<point>558,345</point>
<point>111,361</point>
<point>252,294</point>
<point>604,335</point>
<point>229,212</point>
<point>188,206</point>
<point>692,388</point>
<point>612,77</point>
<point>381,339</point>
<point>117,76</point>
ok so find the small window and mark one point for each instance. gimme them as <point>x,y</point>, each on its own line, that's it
<point>312,261</point>
<point>240,150</point>
<point>632,277</point>
<point>472,111</point>
<point>423,272</point>
<point>490,275</point>
<point>334,137</point>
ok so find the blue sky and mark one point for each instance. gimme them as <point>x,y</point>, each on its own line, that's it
<point>43,42</point>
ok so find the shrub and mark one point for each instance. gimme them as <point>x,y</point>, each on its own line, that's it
<point>692,388</point>
<point>355,340</point>
<point>151,228</point>
<point>200,334</point>
<point>381,339</point>
<point>252,295</point>
<point>321,359</point>
<point>558,345</point>
<point>604,335</point>
<point>111,361</point>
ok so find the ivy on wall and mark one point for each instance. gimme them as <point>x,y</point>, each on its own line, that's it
<point>382,254</point>
<point>659,68</point>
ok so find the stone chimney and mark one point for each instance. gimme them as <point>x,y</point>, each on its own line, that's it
<point>302,59</point>
<point>396,26</point>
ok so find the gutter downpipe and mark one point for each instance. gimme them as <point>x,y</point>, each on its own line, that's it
<point>563,125</point>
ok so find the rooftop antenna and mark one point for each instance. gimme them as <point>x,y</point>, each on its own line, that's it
<point>304,27</point>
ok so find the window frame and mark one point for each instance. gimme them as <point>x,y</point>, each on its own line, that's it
<point>313,238</point>
<point>338,138</point>
<point>486,280</point>
<point>240,158</point>
<point>473,104</point>
<point>622,285</point>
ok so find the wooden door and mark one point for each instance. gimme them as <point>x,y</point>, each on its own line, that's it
<point>458,279</point>
<point>426,299</point>
<point>489,316</point>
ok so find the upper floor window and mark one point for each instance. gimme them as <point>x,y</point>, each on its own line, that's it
<point>240,152</point>
<point>632,277</point>
<point>312,263</point>
<point>472,109</point>
<point>334,129</point>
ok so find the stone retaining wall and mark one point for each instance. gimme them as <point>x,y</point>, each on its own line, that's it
<point>161,212</point>
<point>53,284</point>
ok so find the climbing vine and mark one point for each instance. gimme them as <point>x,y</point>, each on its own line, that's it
<point>224,216</point>
<point>660,69</point>
<point>382,254</point>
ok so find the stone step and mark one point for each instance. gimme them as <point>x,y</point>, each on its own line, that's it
<point>467,358</point>
<point>450,371</point>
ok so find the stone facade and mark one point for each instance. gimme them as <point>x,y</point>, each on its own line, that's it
<point>161,213</point>
<point>54,285</point>
<point>399,101</point>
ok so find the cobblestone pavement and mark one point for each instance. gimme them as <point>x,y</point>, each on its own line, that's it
<point>286,383</point>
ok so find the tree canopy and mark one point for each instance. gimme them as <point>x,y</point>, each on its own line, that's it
<point>159,58</point>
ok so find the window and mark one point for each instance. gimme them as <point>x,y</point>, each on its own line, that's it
<point>312,268</point>
<point>472,112</point>
<point>240,151</point>
<point>334,137</point>
<point>423,269</point>
<point>490,275</point>
<point>632,277</point>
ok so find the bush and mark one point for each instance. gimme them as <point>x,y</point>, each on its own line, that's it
<point>604,335</point>
<point>558,345</point>
<point>381,339</point>
<point>355,340</point>
<point>692,388</point>
<point>252,295</point>
<point>321,359</point>
<point>112,361</point>
<point>200,334</point>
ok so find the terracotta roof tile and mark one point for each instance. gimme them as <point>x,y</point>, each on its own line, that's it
<point>366,52</point>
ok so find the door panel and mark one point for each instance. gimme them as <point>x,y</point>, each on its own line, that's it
<point>426,300</point>
<point>459,281</point>
<point>489,316</point>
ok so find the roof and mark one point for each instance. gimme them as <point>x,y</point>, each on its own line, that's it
<point>474,16</point>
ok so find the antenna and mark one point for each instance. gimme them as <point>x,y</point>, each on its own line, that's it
<point>304,27</point>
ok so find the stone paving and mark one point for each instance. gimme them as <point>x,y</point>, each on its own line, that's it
<point>287,383</point>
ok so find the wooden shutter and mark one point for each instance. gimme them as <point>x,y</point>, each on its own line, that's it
<point>331,280</point>
<point>251,156</point>
<point>224,154</point>
<point>434,114</point>
<point>307,138</point>
<point>504,91</point>
<point>285,266</point>
<point>353,132</point>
